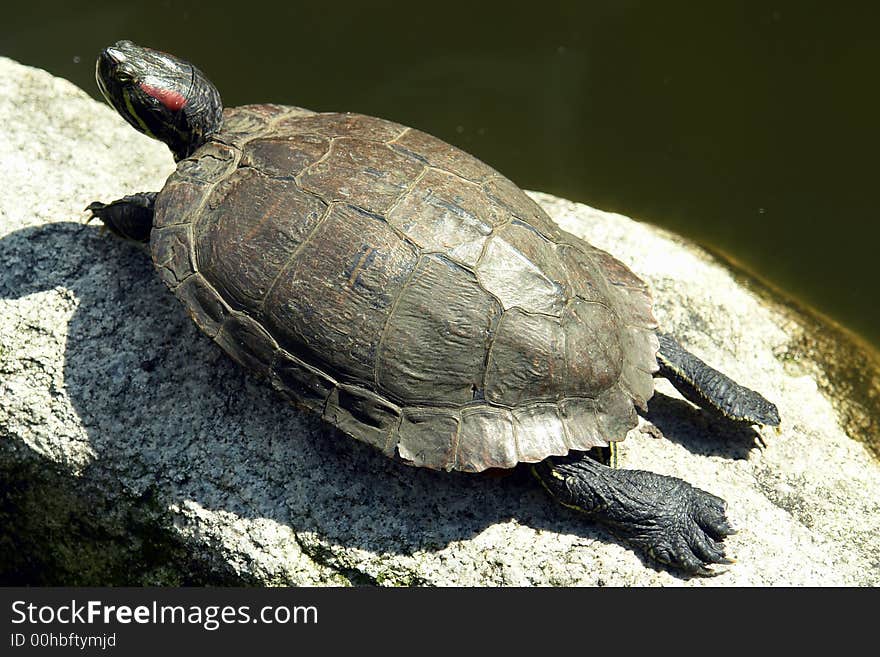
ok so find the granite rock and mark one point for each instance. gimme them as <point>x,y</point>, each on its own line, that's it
<point>133,451</point>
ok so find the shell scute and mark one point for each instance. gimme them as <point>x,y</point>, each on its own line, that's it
<point>330,304</point>
<point>245,242</point>
<point>435,341</point>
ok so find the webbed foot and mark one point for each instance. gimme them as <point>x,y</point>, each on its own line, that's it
<point>685,528</point>
<point>671,521</point>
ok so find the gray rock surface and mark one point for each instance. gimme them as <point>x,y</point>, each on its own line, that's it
<point>133,451</point>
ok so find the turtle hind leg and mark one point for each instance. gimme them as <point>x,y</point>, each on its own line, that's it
<point>704,385</point>
<point>667,518</point>
<point>130,217</point>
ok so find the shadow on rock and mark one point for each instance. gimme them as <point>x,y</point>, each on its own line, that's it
<point>699,430</point>
<point>65,529</point>
<point>172,418</point>
<point>166,410</point>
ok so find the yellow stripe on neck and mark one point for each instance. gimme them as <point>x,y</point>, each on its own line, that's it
<point>126,95</point>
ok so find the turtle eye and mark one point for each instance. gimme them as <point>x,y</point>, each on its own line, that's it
<point>124,77</point>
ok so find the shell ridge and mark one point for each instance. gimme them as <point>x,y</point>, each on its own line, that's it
<point>403,195</point>
<point>381,343</point>
<point>307,169</point>
<point>291,260</point>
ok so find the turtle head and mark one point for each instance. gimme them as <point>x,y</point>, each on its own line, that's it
<point>162,96</point>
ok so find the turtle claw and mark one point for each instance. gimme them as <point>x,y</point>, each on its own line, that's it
<point>89,214</point>
<point>130,217</point>
<point>673,522</point>
<point>686,530</point>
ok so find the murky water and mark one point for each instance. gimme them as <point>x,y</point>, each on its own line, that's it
<point>751,127</point>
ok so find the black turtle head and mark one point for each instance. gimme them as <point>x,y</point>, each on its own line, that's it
<point>163,96</point>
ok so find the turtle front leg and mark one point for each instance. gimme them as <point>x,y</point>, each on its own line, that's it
<point>130,217</point>
<point>673,522</point>
<point>702,385</point>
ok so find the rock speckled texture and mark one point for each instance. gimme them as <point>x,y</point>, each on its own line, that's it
<point>133,451</point>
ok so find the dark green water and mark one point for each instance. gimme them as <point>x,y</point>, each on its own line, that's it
<point>750,127</point>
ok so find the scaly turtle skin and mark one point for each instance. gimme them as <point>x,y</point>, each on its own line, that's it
<point>412,296</point>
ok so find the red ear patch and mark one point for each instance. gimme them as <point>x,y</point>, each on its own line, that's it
<point>170,99</point>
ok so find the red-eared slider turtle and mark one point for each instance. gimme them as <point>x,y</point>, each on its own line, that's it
<point>414,297</point>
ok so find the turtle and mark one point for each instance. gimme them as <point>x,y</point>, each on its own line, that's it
<point>415,299</point>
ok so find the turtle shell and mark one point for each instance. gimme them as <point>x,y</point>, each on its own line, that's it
<point>409,293</point>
